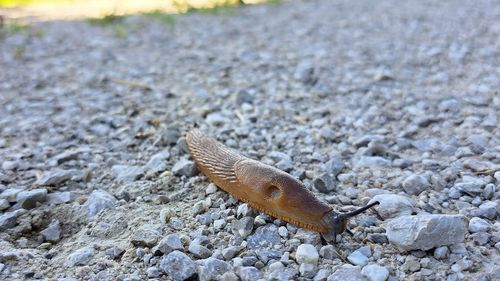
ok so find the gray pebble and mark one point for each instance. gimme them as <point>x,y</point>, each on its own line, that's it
<point>114,252</point>
<point>307,270</point>
<point>199,251</point>
<point>371,161</point>
<point>211,268</point>
<point>347,273</point>
<point>322,275</point>
<point>28,199</point>
<point>307,253</point>
<point>4,204</point>
<point>488,210</point>
<point>184,167</point>
<point>216,119</point>
<point>284,165</point>
<point>127,173</point>
<point>243,96</point>
<point>392,205</point>
<point>304,72</point>
<point>441,252</point>
<point>10,194</point>
<point>249,273</point>
<point>264,236</point>
<point>8,220</point>
<point>178,266</point>
<point>228,276</point>
<point>481,238</point>
<point>53,232</point>
<point>478,225</point>
<point>411,232</point>
<point>9,165</point>
<point>81,256</point>
<point>230,252</point>
<point>153,272</point>
<point>54,177</point>
<point>66,156</point>
<point>99,200</point>
<point>170,243</point>
<point>328,252</point>
<point>145,236</point>
<point>170,136</point>
<point>375,272</point>
<point>157,163</point>
<point>56,198</point>
<point>324,183</point>
<point>334,166</point>
<point>415,184</point>
<point>243,227</point>
<point>357,258</point>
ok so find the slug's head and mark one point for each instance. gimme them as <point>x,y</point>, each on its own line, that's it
<point>337,222</point>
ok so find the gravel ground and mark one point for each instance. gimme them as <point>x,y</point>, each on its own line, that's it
<point>362,100</point>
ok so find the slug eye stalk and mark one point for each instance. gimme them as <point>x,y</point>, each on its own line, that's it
<point>338,221</point>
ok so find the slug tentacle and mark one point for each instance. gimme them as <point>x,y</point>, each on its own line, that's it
<point>265,188</point>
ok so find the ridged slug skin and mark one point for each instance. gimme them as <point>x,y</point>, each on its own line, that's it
<point>263,187</point>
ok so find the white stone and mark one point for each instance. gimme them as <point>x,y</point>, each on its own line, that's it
<point>375,272</point>
<point>357,258</point>
<point>478,225</point>
<point>424,232</point>
<point>307,253</point>
<point>392,205</point>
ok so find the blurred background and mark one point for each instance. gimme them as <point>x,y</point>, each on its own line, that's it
<point>78,9</point>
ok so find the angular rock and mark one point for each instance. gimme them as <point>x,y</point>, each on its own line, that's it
<point>8,220</point>
<point>243,226</point>
<point>81,256</point>
<point>264,236</point>
<point>424,232</point>
<point>145,236</point>
<point>4,204</point>
<point>10,194</point>
<point>230,252</point>
<point>334,166</point>
<point>307,270</point>
<point>371,161</point>
<point>199,251</point>
<point>28,199</point>
<point>415,184</point>
<point>375,272</point>
<point>358,258</point>
<point>324,183</point>
<point>184,167</point>
<point>304,72</point>
<point>488,209</point>
<point>65,156</point>
<point>441,252</point>
<point>153,272</point>
<point>54,177</point>
<point>170,243</point>
<point>392,205</point>
<point>211,268</point>
<point>307,253</point>
<point>53,232</point>
<point>478,225</point>
<point>99,200</point>
<point>347,273</point>
<point>216,119</point>
<point>178,266</point>
<point>127,173</point>
<point>249,273</point>
<point>157,163</point>
<point>56,198</point>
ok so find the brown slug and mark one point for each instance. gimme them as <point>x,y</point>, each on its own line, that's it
<point>266,188</point>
